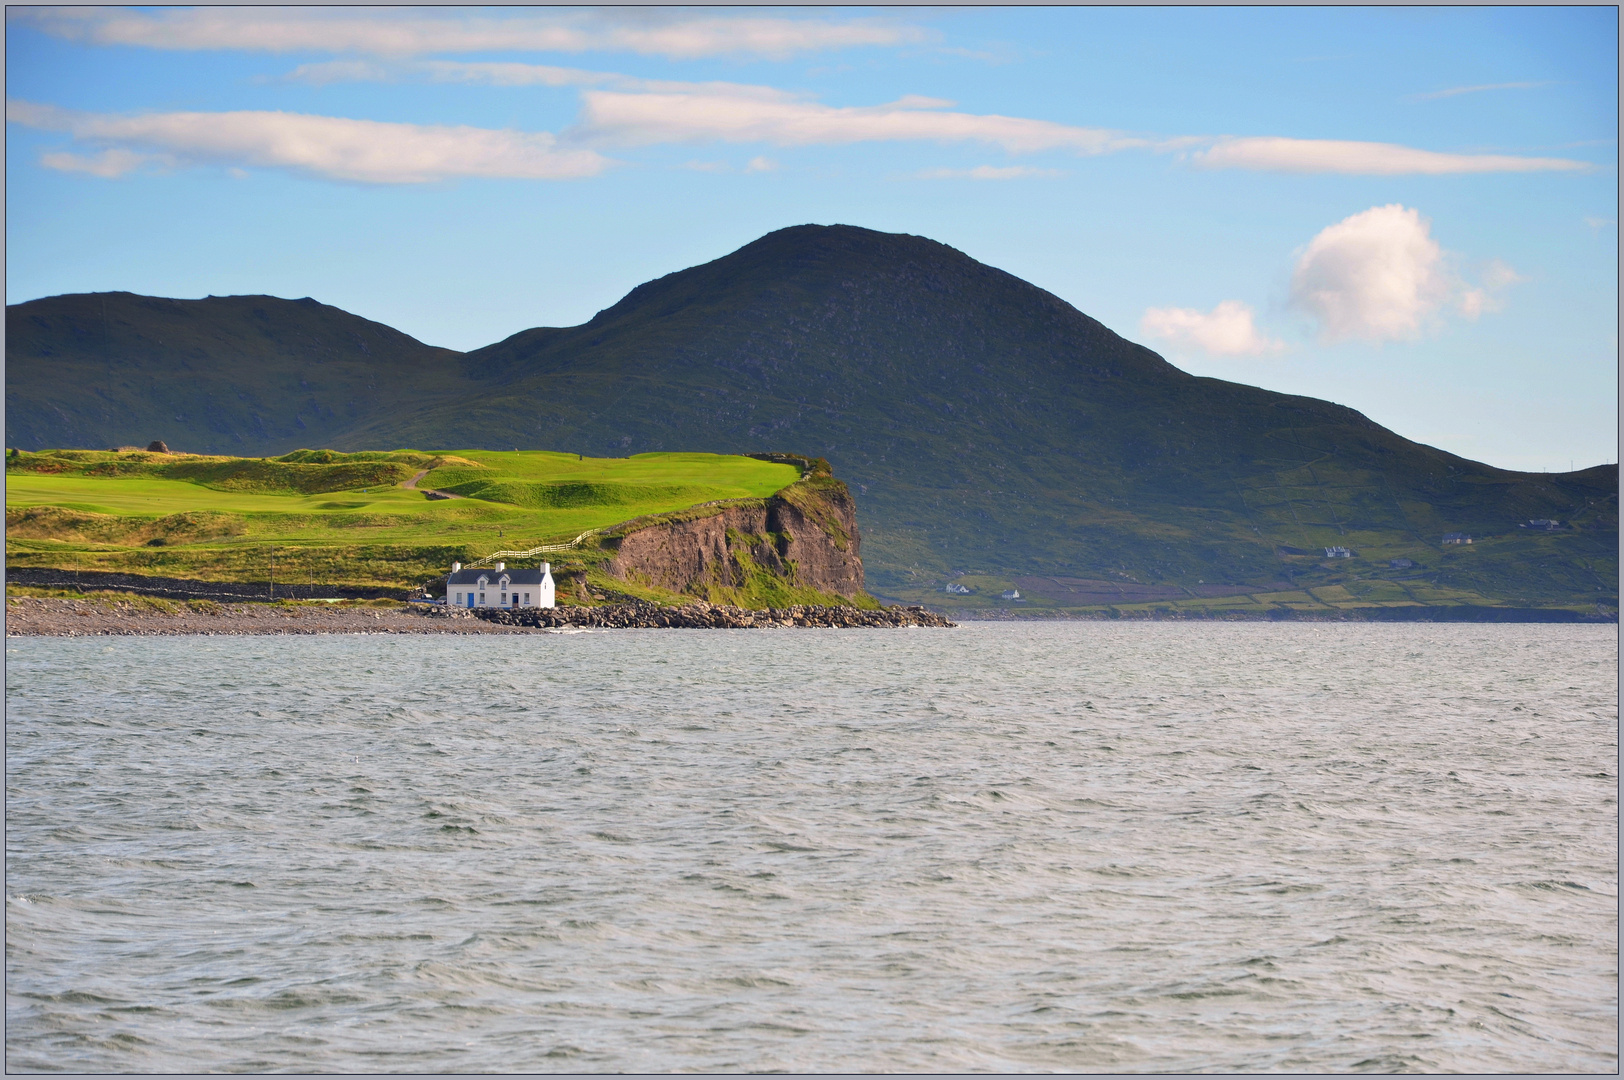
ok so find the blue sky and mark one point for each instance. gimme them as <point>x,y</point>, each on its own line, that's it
<point>1409,211</point>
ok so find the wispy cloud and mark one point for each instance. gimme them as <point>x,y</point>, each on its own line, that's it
<point>334,148</point>
<point>108,164</point>
<point>452,71</point>
<point>1273,154</point>
<point>624,109</point>
<point>713,113</point>
<point>1456,91</point>
<point>514,74</point>
<point>1488,294</point>
<point>754,165</point>
<point>988,172</point>
<point>676,34</point>
<point>1226,330</point>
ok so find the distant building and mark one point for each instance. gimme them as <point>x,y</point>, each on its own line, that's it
<point>955,587</point>
<point>1457,538</point>
<point>1338,553</point>
<point>1010,594</point>
<point>1400,564</point>
<point>1542,523</point>
<point>499,587</point>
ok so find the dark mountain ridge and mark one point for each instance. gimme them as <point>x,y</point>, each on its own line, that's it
<point>985,424</point>
<point>225,374</point>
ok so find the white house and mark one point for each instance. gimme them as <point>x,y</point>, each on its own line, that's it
<point>499,587</point>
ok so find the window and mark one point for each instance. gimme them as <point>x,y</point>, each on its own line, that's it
<point>526,599</point>
<point>481,598</point>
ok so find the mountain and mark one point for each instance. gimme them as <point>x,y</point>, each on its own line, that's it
<point>985,425</point>
<point>226,374</point>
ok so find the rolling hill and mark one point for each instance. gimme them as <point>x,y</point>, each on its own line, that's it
<point>400,518</point>
<point>992,433</point>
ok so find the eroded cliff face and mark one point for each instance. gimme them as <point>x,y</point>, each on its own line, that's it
<point>805,537</point>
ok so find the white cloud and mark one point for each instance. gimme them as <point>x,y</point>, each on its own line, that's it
<point>1456,91</point>
<point>451,71</point>
<point>676,34</point>
<point>1380,276</point>
<point>109,164</point>
<point>1601,222</point>
<point>1487,295</point>
<point>754,165</point>
<point>626,109</point>
<point>1226,330</point>
<point>632,110</point>
<point>331,147</point>
<point>1376,276</point>
<point>988,172</point>
<point>1498,275</point>
<point>729,113</point>
<point>1273,154</point>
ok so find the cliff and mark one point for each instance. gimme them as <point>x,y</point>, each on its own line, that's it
<point>798,546</point>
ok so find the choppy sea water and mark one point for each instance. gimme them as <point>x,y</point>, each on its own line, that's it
<point>1003,847</point>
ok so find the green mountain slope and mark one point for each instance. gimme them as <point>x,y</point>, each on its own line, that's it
<point>223,375</point>
<point>989,428</point>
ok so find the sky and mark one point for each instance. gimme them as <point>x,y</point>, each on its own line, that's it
<point>1409,211</point>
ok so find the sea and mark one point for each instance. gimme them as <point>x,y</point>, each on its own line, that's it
<point>1004,847</point>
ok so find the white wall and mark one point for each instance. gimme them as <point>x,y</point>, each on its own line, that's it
<point>542,595</point>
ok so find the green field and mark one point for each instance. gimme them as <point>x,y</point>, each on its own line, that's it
<point>329,517</point>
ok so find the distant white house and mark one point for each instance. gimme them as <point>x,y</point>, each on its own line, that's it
<point>1338,553</point>
<point>499,587</point>
<point>1010,594</point>
<point>1400,564</point>
<point>955,587</point>
<point>1545,524</point>
<point>1457,538</point>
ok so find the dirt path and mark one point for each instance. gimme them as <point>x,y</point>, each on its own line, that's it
<point>433,493</point>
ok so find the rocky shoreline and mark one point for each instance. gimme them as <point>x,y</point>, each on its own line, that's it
<point>639,614</point>
<point>29,616</point>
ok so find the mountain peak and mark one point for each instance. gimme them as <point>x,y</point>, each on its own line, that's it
<point>982,421</point>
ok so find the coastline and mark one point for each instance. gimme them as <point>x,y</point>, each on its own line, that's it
<point>1430,613</point>
<point>33,616</point>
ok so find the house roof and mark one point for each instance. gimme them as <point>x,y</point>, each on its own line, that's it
<point>514,575</point>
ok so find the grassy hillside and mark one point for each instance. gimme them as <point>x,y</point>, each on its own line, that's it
<point>331,517</point>
<point>222,375</point>
<point>987,429</point>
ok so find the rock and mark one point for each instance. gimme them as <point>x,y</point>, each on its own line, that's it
<point>640,614</point>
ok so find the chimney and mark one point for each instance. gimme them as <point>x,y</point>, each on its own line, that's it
<point>546,568</point>
<point>455,567</point>
<point>500,567</point>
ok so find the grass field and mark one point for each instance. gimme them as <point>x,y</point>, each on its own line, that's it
<point>325,516</point>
